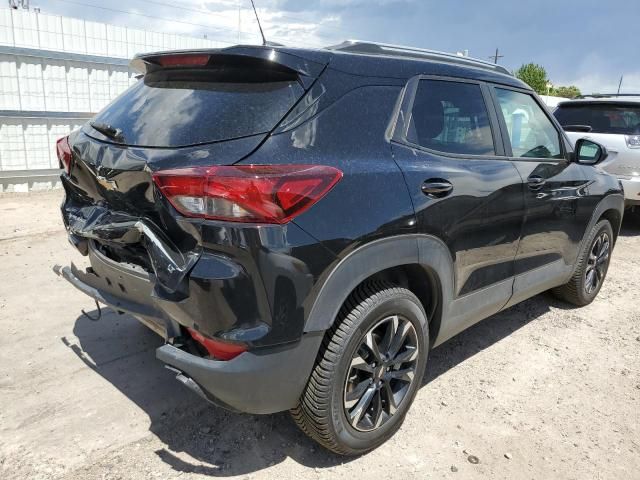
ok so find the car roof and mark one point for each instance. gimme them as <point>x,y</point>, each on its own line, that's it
<point>603,99</point>
<point>395,61</point>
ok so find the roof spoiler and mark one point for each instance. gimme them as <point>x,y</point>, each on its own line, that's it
<point>307,68</point>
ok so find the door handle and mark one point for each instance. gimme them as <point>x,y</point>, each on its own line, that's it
<point>437,188</point>
<point>536,182</point>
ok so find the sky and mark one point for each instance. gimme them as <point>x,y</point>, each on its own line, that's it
<point>586,43</point>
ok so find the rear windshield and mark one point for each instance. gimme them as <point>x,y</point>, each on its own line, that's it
<point>181,107</point>
<point>602,118</point>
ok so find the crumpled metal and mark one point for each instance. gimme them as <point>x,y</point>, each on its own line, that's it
<point>170,265</point>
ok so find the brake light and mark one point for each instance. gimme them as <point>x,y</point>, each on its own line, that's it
<point>217,348</point>
<point>246,193</point>
<point>63,150</point>
<point>191,60</point>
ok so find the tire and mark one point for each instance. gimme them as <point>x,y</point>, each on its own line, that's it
<point>581,290</point>
<point>344,380</point>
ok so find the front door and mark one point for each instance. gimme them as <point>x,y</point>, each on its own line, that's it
<point>557,202</point>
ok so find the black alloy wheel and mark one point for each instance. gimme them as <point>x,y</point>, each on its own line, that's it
<point>597,263</point>
<point>381,373</point>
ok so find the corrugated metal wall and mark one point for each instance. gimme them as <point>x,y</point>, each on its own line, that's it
<point>21,28</point>
<point>55,72</point>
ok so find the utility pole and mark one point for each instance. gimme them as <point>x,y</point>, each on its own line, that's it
<point>496,56</point>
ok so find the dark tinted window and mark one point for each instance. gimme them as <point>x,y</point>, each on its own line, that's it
<point>531,132</point>
<point>451,117</point>
<point>602,118</point>
<point>171,108</point>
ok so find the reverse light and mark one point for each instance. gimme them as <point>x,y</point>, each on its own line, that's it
<point>246,193</point>
<point>633,141</point>
<point>217,348</point>
<point>190,60</point>
<point>63,149</point>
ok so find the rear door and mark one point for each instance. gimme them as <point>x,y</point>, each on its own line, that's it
<point>464,190</point>
<point>556,193</point>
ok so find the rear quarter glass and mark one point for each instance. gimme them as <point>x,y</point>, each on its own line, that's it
<point>182,107</point>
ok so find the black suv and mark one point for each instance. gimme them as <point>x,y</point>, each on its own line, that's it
<point>303,226</point>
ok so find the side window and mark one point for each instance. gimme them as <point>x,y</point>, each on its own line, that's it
<point>451,117</point>
<point>530,131</point>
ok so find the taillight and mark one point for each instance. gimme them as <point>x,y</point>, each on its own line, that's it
<point>64,153</point>
<point>217,348</point>
<point>182,60</point>
<point>246,193</point>
<point>633,141</point>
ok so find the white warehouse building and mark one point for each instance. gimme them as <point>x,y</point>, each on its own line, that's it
<point>55,73</point>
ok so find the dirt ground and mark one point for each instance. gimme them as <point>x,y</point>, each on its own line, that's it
<point>540,391</point>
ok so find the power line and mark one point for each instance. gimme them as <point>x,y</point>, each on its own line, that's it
<point>215,14</point>
<point>115,10</point>
<point>251,19</point>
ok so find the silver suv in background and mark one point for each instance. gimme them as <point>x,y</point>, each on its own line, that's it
<point>613,121</point>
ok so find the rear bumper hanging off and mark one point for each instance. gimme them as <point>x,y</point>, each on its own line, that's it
<point>266,380</point>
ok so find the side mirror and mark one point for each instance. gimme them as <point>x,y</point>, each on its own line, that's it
<point>589,152</point>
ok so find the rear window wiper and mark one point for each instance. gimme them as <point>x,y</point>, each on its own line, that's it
<point>108,131</point>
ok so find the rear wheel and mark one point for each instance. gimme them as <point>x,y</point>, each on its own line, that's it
<point>592,267</point>
<point>368,371</point>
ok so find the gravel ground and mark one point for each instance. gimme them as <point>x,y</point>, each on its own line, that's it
<point>539,391</point>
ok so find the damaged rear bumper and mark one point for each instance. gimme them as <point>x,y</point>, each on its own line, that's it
<point>217,294</point>
<point>264,380</point>
<point>136,268</point>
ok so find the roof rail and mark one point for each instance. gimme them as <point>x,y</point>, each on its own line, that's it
<point>605,95</point>
<point>375,48</point>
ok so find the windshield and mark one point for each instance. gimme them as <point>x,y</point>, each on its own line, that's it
<point>602,118</point>
<point>181,107</point>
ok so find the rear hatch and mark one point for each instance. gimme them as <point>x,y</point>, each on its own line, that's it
<point>203,108</point>
<point>612,123</point>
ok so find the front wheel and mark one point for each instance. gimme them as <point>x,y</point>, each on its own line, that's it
<point>592,267</point>
<point>368,370</point>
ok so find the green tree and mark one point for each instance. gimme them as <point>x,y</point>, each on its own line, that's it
<point>535,76</point>
<point>568,92</point>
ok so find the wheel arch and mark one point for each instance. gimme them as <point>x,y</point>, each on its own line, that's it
<point>611,207</point>
<point>421,263</point>
<point>614,217</point>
